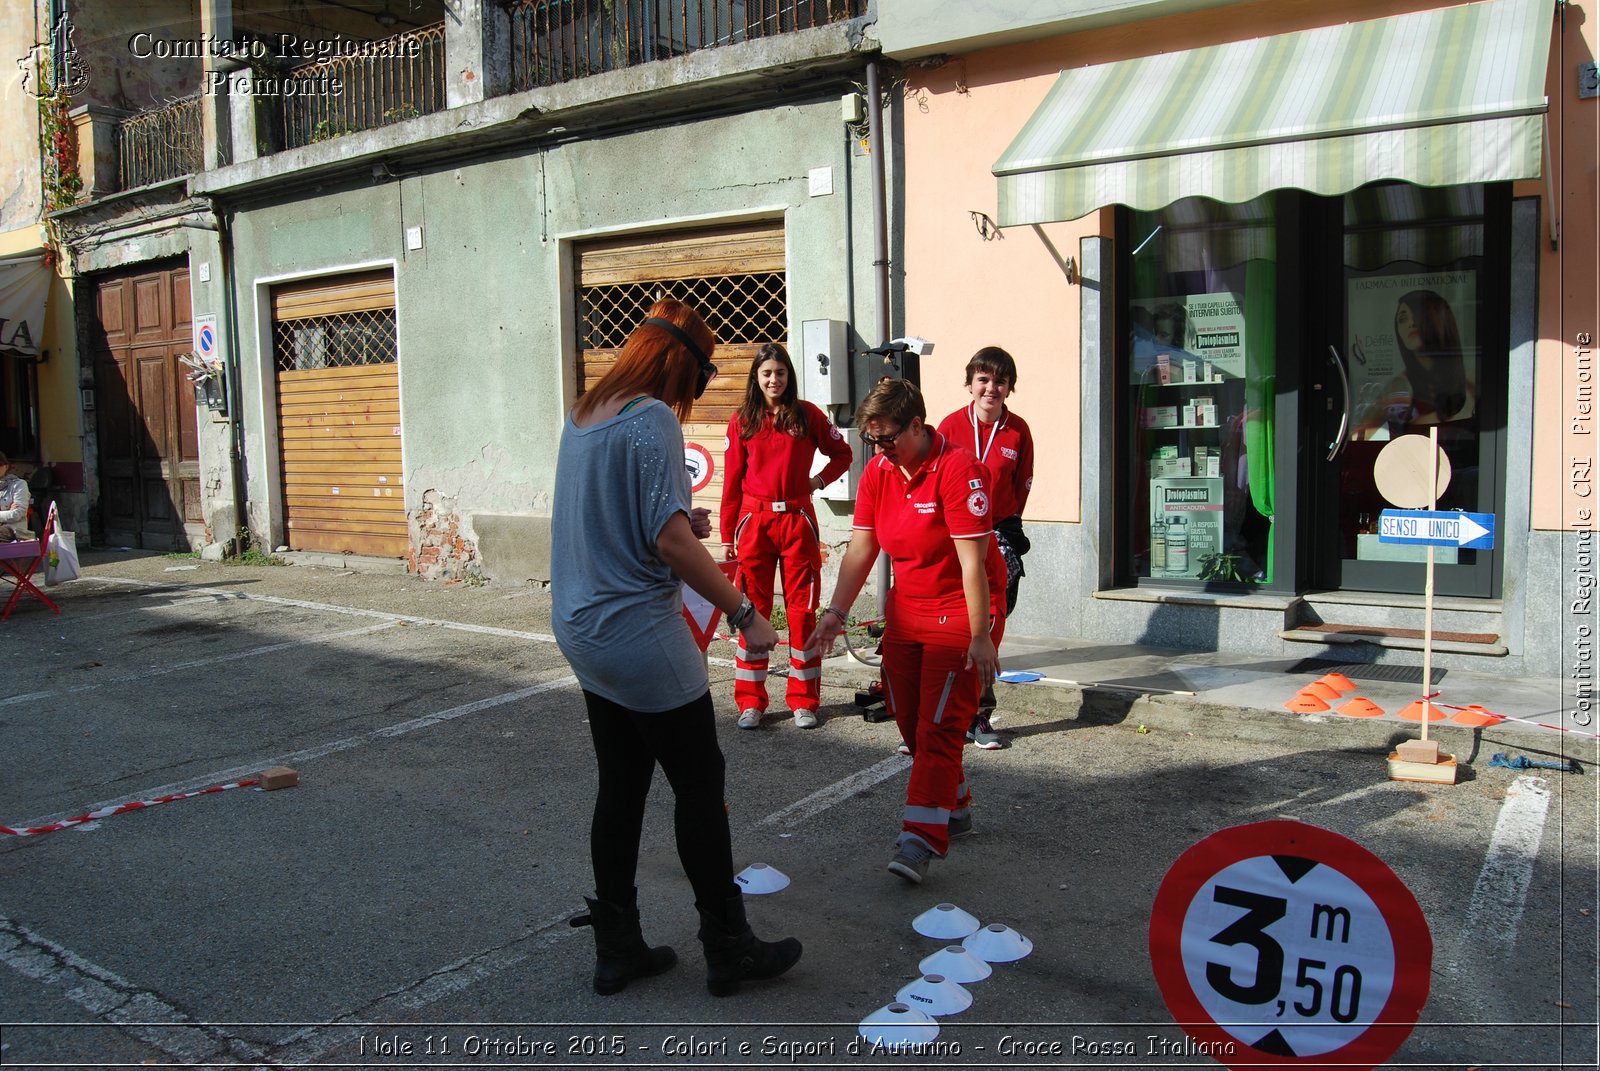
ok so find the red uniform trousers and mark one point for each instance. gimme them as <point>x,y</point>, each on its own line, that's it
<point>767,540</point>
<point>933,698</point>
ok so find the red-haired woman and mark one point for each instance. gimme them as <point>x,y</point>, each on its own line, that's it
<point>624,535</point>
<point>768,519</point>
<point>925,501</point>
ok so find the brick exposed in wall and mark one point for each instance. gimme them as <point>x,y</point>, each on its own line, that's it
<point>440,549</point>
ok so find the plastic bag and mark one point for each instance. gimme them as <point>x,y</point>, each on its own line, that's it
<point>61,557</point>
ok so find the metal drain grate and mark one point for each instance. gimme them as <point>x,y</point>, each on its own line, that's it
<point>1365,671</point>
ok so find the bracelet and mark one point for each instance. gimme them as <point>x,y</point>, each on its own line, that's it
<point>836,612</point>
<point>741,617</point>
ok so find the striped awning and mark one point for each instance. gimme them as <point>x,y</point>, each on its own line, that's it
<point>1441,97</point>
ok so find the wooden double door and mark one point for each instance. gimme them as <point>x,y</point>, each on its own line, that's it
<point>144,410</point>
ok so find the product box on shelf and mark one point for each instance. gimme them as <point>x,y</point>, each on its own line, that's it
<point>1189,510</point>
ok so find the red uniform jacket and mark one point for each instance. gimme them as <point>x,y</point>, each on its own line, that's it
<point>1006,450</point>
<point>775,466</point>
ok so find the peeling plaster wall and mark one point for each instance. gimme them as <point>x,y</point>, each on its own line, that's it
<point>485,307</point>
<point>21,198</point>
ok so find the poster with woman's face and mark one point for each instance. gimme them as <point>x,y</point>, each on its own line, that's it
<point>1412,350</point>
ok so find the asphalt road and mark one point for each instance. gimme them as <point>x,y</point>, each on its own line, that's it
<point>406,904</point>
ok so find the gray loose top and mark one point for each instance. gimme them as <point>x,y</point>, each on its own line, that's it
<point>618,608</point>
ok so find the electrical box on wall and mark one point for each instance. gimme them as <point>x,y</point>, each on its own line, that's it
<point>844,488</point>
<point>825,360</point>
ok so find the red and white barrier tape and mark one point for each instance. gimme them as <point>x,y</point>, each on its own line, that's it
<point>785,643</point>
<point>121,808</point>
<point>1520,721</point>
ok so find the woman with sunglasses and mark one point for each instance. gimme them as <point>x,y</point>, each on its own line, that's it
<point>924,501</point>
<point>767,517</point>
<point>624,535</point>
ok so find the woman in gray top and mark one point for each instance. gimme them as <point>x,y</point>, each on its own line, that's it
<point>13,504</point>
<point>624,536</point>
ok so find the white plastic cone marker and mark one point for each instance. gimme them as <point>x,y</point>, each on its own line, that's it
<point>758,879</point>
<point>957,964</point>
<point>899,1024</point>
<point>998,943</point>
<point>945,922</point>
<point>936,995</point>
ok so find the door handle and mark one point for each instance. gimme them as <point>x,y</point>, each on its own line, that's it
<point>1335,447</point>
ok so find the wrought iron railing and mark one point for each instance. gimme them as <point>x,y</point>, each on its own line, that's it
<point>159,144</point>
<point>398,78</point>
<point>554,41</point>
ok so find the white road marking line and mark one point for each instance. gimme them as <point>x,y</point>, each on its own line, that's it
<point>305,1047</point>
<point>110,997</point>
<point>837,792</point>
<point>335,608</point>
<point>296,758</point>
<point>1494,913</point>
<point>197,663</point>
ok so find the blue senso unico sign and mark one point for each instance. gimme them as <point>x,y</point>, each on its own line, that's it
<point>1281,943</point>
<point>1440,528</point>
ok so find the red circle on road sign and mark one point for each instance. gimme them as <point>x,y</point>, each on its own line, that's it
<point>701,467</point>
<point>1266,938</point>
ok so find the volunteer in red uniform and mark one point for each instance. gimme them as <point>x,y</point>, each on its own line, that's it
<point>768,521</point>
<point>924,501</point>
<point>1002,441</point>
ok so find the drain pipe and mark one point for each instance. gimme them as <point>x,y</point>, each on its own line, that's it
<point>880,211</point>
<point>880,259</point>
<point>230,303</point>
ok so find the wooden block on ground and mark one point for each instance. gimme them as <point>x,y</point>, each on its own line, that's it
<point>1426,751</point>
<point>279,777</point>
<point>1442,772</point>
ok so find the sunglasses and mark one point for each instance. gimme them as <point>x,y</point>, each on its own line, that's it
<point>881,440</point>
<point>707,369</point>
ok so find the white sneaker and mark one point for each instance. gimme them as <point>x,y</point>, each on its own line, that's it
<point>805,719</point>
<point>749,718</point>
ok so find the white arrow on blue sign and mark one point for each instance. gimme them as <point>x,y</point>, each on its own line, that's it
<point>1443,528</point>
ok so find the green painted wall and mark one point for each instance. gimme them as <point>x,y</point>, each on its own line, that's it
<point>485,307</point>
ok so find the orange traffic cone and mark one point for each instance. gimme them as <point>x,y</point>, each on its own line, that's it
<point>1359,707</point>
<point>1413,711</point>
<point>1476,716</point>
<point>1304,702</point>
<point>1338,682</point>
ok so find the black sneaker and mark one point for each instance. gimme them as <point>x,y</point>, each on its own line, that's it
<point>982,733</point>
<point>911,861</point>
<point>960,826</point>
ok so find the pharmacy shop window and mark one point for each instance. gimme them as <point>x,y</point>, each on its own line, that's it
<point>1197,372</point>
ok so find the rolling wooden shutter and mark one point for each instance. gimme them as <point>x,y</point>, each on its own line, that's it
<point>339,415</point>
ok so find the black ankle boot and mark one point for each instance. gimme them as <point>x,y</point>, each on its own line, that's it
<point>620,954</point>
<point>735,954</point>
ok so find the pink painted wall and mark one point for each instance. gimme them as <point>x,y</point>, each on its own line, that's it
<point>965,292</point>
<point>1566,455</point>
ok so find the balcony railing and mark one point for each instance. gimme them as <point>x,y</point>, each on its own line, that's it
<point>554,41</point>
<point>398,78</point>
<point>159,144</point>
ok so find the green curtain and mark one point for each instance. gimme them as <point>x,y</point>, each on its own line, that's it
<point>1261,391</point>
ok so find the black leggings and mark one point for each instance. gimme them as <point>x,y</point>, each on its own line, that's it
<point>627,746</point>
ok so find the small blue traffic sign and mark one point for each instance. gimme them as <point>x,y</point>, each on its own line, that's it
<point>1441,528</point>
